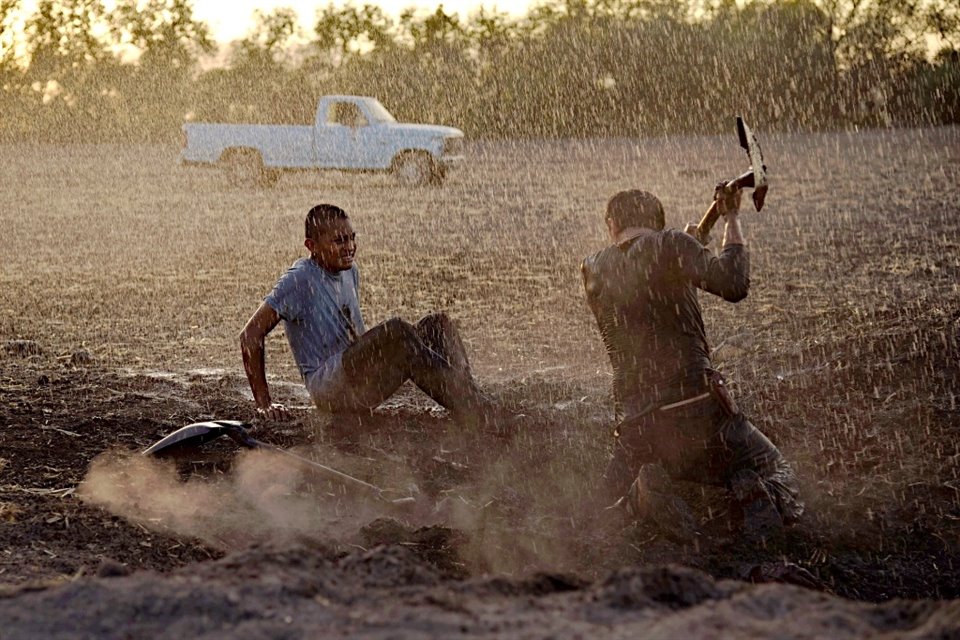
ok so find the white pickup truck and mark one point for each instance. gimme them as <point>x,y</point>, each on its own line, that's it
<point>349,133</point>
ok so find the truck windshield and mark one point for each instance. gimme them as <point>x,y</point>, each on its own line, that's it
<point>379,113</point>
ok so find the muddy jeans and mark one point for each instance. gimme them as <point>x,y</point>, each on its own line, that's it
<point>702,444</point>
<point>430,353</point>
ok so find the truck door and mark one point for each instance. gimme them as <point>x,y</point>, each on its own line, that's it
<point>339,137</point>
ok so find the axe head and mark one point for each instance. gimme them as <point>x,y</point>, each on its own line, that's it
<point>749,142</point>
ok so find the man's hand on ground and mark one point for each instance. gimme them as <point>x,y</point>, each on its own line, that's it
<point>275,412</point>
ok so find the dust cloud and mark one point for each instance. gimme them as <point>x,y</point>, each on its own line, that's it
<point>505,519</point>
<point>259,501</point>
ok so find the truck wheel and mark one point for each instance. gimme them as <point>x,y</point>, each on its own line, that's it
<point>415,169</point>
<point>245,169</point>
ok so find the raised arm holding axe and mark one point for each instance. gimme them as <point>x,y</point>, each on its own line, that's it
<point>726,197</point>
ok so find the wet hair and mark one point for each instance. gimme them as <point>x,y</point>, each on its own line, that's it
<point>319,217</point>
<point>636,208</point>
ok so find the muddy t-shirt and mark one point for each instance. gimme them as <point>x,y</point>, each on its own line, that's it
<point>320,312</point>
<point>643,294</point>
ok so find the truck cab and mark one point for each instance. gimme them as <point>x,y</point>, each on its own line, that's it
<point>349,132</point>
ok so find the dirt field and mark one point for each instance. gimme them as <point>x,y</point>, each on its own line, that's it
<point>125,280</point>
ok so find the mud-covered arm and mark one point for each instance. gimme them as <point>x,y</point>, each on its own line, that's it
<point>726,275</point>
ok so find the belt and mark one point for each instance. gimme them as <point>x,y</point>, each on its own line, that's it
<point>683,403</point>
<point>650,408</point>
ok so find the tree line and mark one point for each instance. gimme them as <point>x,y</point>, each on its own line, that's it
<point>72,70</point>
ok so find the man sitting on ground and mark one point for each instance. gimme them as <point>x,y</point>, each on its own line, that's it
<point>345,367</point>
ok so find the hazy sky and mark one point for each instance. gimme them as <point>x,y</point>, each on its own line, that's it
<point>230,20</point>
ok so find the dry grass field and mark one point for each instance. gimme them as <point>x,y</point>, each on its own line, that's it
<point>149,264</point>
<point>845,352</point>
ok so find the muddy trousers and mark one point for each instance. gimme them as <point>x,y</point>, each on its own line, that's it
<point>708,448</point>
<point>430,353</point>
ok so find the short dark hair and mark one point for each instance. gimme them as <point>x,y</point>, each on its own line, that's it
<point>320,216</point>
<point>636,208</point>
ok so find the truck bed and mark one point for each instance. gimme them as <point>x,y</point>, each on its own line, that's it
<point>280,145</point>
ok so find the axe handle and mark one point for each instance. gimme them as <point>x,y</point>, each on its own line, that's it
<point>702,231</point>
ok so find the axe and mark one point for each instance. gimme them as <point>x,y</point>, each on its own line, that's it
<point>755,178</point>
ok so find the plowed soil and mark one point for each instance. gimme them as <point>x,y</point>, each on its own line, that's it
<point>127,278</point>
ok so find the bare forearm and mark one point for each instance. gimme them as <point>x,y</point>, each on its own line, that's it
<point>255,368</point>
<point>732,233</point>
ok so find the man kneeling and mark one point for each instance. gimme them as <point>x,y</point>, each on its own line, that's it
<point>676,419</point>
<point>345,367</point>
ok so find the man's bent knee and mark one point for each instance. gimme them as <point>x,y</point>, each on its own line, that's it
<point>390,344</point>
<point>435,320</point>
<point>399,327</point>
<point>401,332</point>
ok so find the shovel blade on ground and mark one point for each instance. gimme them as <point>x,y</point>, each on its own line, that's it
<point>198,433</point>
<point>194,435</point>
